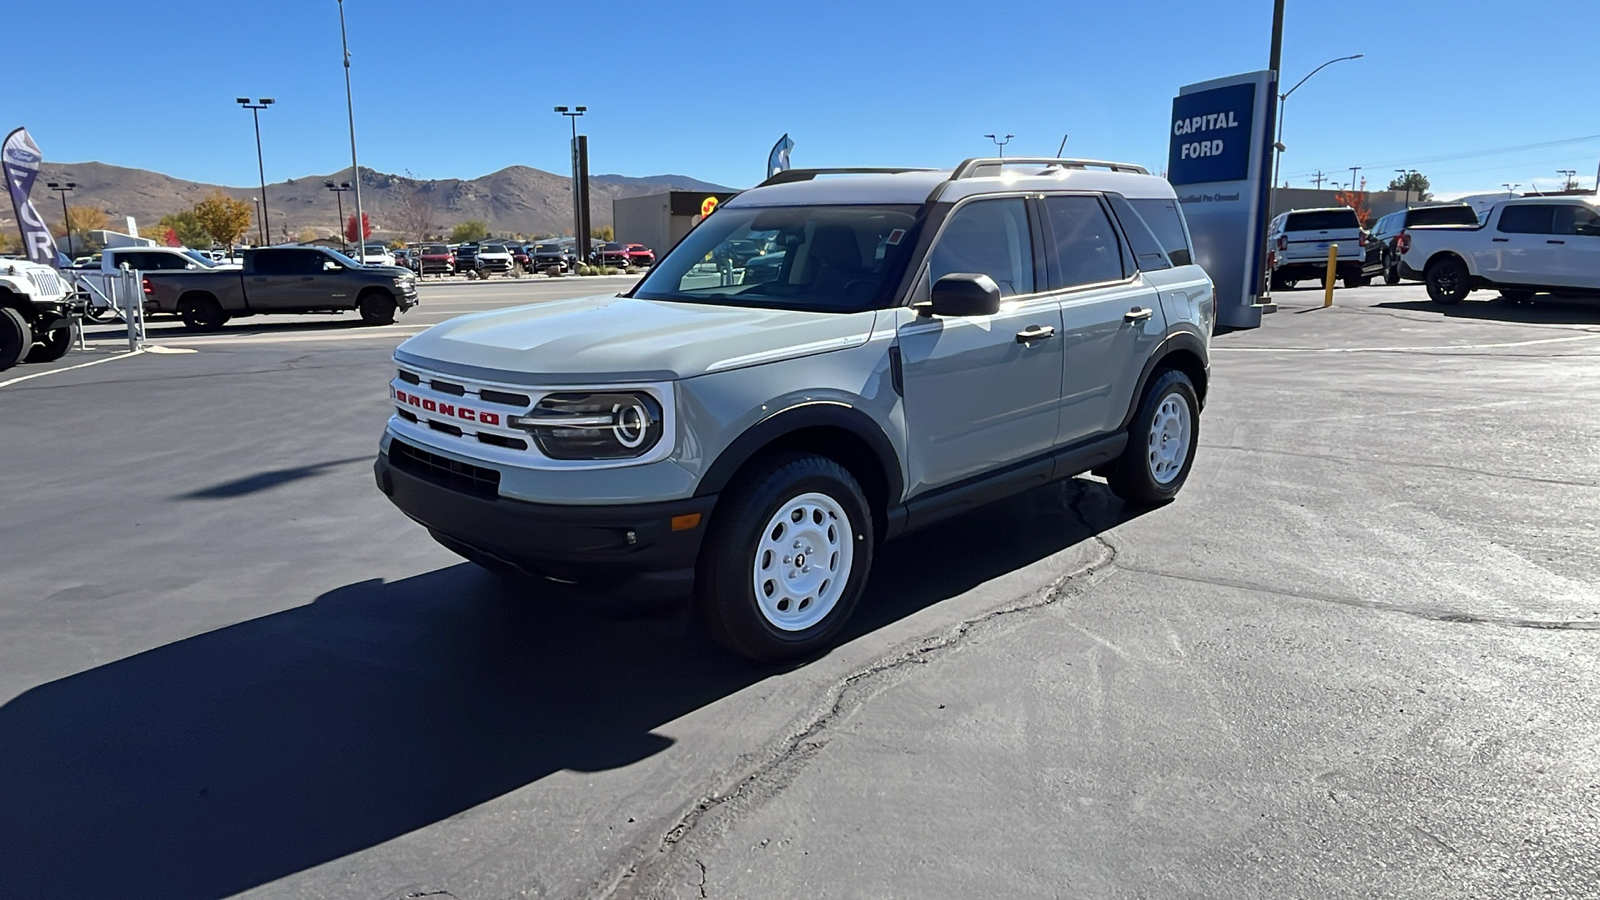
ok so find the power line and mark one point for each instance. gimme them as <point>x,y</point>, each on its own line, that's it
<point>1468,155</point>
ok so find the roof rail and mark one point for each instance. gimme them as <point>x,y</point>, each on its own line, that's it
<point>984,167</point>
<point>789,176</point>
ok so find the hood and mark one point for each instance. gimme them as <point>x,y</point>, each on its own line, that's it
<point>609,339</point>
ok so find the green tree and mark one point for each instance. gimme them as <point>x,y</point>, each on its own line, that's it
<point>1415,182</point>
<point>186,225</point>
<point>470,230</point>
<point>223,217</point>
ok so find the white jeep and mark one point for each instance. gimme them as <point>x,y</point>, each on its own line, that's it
<point>35,313</point>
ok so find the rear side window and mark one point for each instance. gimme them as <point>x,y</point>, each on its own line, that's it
<point>1147,252</point>
<point>1526,219</point>
<point>1086,247</point>
<point>1322,220</point>
<point>1165,221</point>
<point>1442,215</point>
<point>1577,220</point>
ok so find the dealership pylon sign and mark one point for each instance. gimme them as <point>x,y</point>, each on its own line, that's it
<point>1217,159</point>
<point>20,158</point>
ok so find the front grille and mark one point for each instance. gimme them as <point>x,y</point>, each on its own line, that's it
<point>457,476</point>
<point>46,281</point>
<point>504,398</point>
<point>447,387</point>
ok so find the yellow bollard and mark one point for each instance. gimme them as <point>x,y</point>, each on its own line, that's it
<point>1327,281</point>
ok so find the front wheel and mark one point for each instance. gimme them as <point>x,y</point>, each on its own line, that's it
<point>1161,442</point>
<point>15,338</point>
<point>202,314</point>
<point>1449,282</point>
<point>52,345</point>
<point>377,308</point>
<point>786,559</point>
<point>1517,296</point>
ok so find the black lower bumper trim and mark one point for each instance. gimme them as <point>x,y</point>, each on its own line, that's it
<point>630,550</point>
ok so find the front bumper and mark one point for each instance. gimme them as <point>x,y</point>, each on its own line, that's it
<point>631,550</point>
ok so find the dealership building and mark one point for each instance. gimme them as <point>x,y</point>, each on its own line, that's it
<point>659,221</point>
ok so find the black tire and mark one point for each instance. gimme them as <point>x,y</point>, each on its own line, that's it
<point>1391,275</point>
<point>1143,475</point>
<point>725,598</point>
<point>202,313</point>
<point>16,338</point>
<point>52,346</point>
<point>1515,296</point>
<point>377,308</point>
<point>1356,281</point>
<point>1448,281</point>
<point>100,314</point>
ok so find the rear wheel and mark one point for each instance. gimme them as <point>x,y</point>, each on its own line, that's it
<point>1356,281</point>
<point>377,308</point>
<point>786,560</point>
<point>201,313</point>
<point>1391,274</point>
<point>52,346</point>
<point>16,338</point>
<point>1517,296</point>
<point>1448,281</point>
<point>1161,442</point>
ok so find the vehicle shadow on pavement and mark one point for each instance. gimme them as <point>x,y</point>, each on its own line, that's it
<point>266,481</point>
<point>1544,310</point>
<point>222,762</point>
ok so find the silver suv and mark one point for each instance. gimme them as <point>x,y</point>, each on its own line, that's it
<point>830,360</point>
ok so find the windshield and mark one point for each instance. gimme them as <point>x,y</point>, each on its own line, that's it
<point>547,248</point>
<point>341,259</point>
<point>205,261</point>
<point>812,258</point>
<point>436,250</point>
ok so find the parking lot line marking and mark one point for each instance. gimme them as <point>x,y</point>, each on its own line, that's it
<point>400,332</point>
<point>1583,337</point>
<point>93,362</point>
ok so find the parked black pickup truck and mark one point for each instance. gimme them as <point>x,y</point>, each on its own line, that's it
<point>282,280</point>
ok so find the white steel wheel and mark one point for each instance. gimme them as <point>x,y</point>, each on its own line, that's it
<point>803,562</point>
<point>1167,444</point>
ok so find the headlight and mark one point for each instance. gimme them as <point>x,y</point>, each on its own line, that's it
<point>614,425</point>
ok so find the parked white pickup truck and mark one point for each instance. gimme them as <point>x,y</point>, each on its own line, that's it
<point>1523,247</point>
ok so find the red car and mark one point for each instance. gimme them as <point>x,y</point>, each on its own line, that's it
<point>640,255</point>
<point>437,259</point>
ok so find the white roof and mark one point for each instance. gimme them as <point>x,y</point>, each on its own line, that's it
<point>918,186</point>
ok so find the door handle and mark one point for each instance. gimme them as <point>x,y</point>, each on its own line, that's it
<point>1035,333</point>
<point>1501,240</point>
<point>1555,242</point>
<point>1137,314</point>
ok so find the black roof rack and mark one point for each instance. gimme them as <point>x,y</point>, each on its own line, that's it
<point>983,167</point>
<point>789,176</point>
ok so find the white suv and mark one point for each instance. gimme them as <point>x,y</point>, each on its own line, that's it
<point>1299,242</point>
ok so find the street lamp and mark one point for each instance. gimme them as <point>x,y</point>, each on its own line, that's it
<point>355,166</point>
<point>1511,188</point>
<point>338,192</point>
<point>1283,100</point>
<point>580,235</point>
<point>66,221</point>
<point>260,235</point>
<point>255,111</point>
<point>1002,143</point>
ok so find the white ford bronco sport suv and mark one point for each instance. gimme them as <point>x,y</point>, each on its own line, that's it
<point>908,345</point>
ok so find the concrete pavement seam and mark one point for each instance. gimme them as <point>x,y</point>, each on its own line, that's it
<point>1399,462</point>
<point>653,873</point>
<point>1444,616</point>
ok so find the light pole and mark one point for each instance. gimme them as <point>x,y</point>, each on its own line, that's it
<point>338,193</point>
<point>261,235</point>
<point>1511,188</point>
<point>579,236</point>
<point>1002,143</point>
<point>1283,100</point>
<point>65,187</point>
<point>1569,179</point>
<point>355,165</point>
<point>255,111</point>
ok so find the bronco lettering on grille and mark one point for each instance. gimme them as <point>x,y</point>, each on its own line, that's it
<point>444,409</point>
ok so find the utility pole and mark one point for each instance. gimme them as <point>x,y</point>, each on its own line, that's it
<point>355,165</point>
<point>1569,179</point>
<point>1319,178</point>
<point>1353,171</point>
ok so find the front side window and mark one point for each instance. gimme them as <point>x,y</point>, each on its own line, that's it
<point>811,258</point>
<point>987,237</point>
<point>1577,220</point>
<point>1526,219</point>
<point>1086,247</point>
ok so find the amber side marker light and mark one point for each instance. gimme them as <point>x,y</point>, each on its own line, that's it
<point>684,523</point>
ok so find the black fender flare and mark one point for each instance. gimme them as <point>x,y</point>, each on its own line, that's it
<point>1179,342</point>
<point>801,416</point>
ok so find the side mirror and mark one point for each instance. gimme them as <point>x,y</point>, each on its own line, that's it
<point>964,294</point>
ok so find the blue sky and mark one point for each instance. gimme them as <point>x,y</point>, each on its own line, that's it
<point>705,88</point>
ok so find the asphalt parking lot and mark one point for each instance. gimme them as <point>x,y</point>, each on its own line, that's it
<point>1357,658</point>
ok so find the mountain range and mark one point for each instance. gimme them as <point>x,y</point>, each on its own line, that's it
<point>515,200</point>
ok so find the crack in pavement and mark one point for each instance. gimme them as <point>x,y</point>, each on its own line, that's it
<point>1404,463</point>
<point>1452,617</point>
<point>653,873</point>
